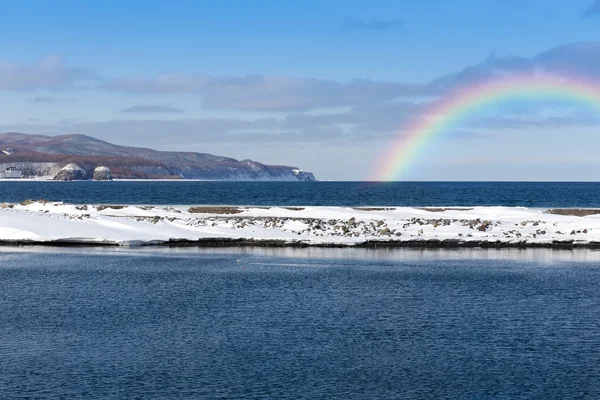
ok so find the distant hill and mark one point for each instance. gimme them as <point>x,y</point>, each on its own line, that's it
<point>45,155</point>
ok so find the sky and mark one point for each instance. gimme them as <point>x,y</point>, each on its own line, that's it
<point>327,86</point>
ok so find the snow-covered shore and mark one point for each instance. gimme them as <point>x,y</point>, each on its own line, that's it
<point>54,223</point>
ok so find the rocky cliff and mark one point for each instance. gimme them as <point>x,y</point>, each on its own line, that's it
<point>71,172</point>
<point>102,174</point>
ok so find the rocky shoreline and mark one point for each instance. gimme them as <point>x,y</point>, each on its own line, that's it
<point>369,244</point>
<point>45,223</point>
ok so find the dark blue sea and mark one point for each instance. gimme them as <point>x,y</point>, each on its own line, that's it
<point>299,324</point>
<point>527,194</point>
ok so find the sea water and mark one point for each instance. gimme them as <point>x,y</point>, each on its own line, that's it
<point>525,194</point>
<point>302,324</point>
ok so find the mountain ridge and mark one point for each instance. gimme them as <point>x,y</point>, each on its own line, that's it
<point>134,162</point>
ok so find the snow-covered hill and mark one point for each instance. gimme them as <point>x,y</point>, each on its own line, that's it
<point>134,162</point>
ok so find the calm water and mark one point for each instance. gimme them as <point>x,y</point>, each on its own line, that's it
<point>528,194</point>
<point>295,324</point>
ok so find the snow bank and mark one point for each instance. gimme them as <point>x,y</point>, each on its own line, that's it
<point>51,223</point>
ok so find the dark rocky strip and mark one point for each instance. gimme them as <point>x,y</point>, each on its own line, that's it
<point>576,212</point>
<point>373,244</point>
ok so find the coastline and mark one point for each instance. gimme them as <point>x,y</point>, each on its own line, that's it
<point>258,243</point>
<point>54,224</point>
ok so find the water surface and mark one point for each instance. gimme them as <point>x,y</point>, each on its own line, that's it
<point>345,324</point>
<point>526,194</point>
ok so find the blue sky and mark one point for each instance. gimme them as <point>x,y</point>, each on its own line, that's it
<point>323,85</point>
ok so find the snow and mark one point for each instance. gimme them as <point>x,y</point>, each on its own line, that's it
<point>133,225</point>
<point>72,167</point>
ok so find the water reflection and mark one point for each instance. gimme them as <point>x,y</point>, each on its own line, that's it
<point>384,254</point>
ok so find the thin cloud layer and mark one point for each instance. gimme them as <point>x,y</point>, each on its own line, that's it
<point>357,125</point>
<point>152,109</point>
<point>282,94</point>
<point>48,73</point>
<point>268,93</point>
<point>302,109</point>
<point>44,100</point>
<point>288,94</point>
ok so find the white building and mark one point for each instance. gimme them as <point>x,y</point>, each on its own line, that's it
<point>11,173</point>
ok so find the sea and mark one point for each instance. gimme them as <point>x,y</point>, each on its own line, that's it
<point>524,194</point>
<point>259,323</point>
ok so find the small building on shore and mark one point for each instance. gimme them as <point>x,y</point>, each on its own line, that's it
<point>11,173</point>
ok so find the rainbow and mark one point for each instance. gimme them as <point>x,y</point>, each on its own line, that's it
<point>449,110</point>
